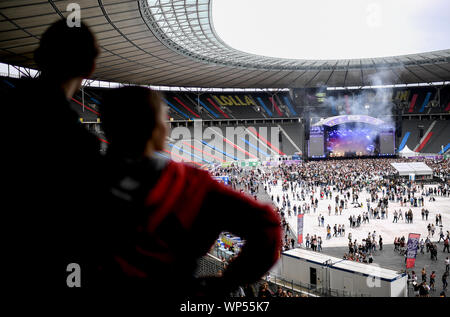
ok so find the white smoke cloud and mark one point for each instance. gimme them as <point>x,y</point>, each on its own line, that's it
<point>375,102</point>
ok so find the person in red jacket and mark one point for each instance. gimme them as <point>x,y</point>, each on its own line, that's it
<point>164,215</point>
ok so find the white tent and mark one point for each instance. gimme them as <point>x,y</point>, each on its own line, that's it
<point>407,152</point>
<point>416,168</point>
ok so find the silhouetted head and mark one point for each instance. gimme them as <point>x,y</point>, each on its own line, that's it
<point>133,119</point>
<point>66,52</point>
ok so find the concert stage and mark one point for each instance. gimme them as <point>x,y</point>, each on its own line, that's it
<point>352,136</point>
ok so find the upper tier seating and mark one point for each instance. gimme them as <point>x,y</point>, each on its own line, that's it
<point>258,105</point>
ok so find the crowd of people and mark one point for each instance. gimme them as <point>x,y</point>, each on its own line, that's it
<point>363,252</point>
<point>313,242</point>
<point>424,287</point>
<point>303,185</point>
<point>311,182</point>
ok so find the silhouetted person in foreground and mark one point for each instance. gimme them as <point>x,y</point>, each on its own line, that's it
<point>165,215</point>
<point>53,165</point>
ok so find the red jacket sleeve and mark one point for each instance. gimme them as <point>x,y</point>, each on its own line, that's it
<point>258,224</point>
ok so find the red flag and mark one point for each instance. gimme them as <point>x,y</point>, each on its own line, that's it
<point>410,263</point>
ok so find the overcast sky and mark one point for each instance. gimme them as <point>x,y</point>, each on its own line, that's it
<point>331,29</point>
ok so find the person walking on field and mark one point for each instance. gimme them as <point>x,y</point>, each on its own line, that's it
<point>395,217</point>
<point>444,280</point>
<point>446,245</point>
<point>441,235</point>
<point>328,232</point>
<point>432,280</point>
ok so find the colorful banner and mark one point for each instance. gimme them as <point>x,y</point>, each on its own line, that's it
<point>425,157</point>
<point>244,163</point>
<point>411,252</point>
<point>236,100</point>
<point>276,163</point>
<point>300,228</point>
<point>222,179</point>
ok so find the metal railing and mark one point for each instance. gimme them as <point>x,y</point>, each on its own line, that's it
<point>312,289</point>
<point>209,265</point>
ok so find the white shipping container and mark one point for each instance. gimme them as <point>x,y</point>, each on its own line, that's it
<point>346,277</point>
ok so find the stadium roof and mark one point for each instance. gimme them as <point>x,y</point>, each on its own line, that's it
<point>173,43</point>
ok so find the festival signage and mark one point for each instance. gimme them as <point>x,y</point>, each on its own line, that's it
<point>276,163</point>
<point>300,228</point>
<point>411,252</point>
<point>425,157</point>
<point>236,100</point>
<point>249,163</point>
<point>222,179</point>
